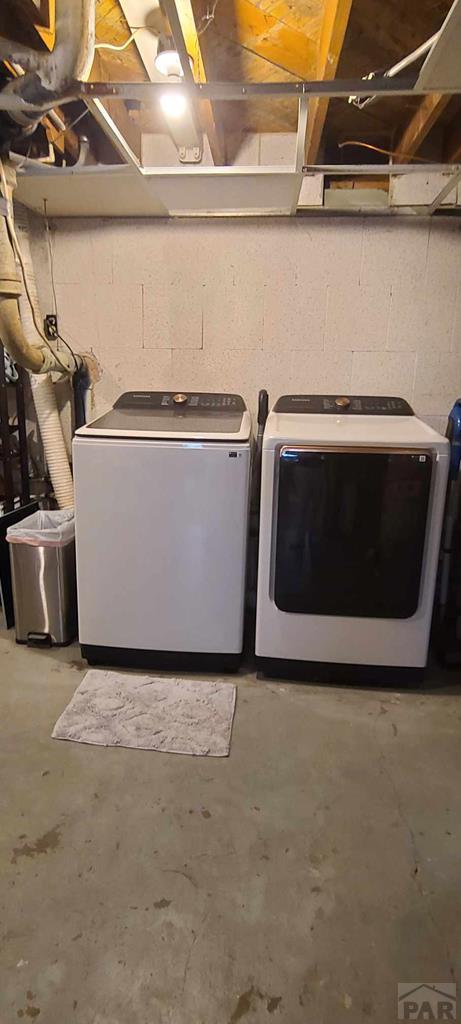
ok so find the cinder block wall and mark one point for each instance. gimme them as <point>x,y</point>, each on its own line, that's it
<point>365,306</point>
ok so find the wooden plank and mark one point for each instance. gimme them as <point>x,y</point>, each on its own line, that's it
<point>184,31</point>
<point>112,27</point>
<point>21,20</point>
<point>46,23</point>
<point>117,110</point>
<point>332,35</point>
<point>262,33</point>
<point>419,126</point>
<point>63,141</point>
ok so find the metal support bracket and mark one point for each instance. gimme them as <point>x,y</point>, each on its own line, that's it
<point>190,154</point>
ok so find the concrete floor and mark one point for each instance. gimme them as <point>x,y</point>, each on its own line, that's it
<point>298,880</point>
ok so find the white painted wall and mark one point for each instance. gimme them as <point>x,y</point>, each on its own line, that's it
<point>341,305</point>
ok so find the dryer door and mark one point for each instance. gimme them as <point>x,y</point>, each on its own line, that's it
<point>350,530</point>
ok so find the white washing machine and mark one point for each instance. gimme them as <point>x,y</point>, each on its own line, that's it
<point>161,504</point>
<point>352,501</point>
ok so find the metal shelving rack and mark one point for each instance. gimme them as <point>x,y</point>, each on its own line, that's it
<point>15,501</point>
<point>10,495</point>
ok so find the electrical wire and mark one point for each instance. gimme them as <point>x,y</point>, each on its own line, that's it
<point>17,250</point>
<point>53,283</point>
<point>122,46</point>
<point>207,18</point>
<point>379,149</point>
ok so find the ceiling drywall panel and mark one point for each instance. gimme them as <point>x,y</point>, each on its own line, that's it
<point>228,193</point>
<point>111,193</point>
<point>442,67</point>
<point>123,192</point>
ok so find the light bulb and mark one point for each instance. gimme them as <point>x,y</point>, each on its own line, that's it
<point>173,103</point>
<point>167,62</point>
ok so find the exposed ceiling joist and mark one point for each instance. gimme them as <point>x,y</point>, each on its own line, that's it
<point>45,23</point>
<point>428,111</point>
<point>64,140</point>
<point>29,22</point>
<point>259,32</point>
<point>333,31</point>
<point>184,30</point>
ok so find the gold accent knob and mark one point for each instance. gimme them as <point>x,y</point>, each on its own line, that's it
<point>179,399</point>
<point>343,403</point>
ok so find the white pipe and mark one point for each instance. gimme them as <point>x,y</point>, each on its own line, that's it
<point>396,69</point>
<point>42,388</point>
<point>52,439</point>
<point>412,57</point>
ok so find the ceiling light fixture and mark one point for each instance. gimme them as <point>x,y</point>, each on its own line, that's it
<point>167,60</point>
<point>173,103</point>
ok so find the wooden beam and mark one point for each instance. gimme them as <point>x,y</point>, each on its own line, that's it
<point>268,36</point>
<point>28,23</point>
<point>67,141</point>
<point>184,31</point>
<point>428,111</point>
<point>332,35</point>
<point>46,24</point>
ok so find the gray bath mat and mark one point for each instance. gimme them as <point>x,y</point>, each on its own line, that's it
<point>179,716</point>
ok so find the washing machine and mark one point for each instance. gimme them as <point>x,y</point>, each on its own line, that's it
<point>161,504</point>
<point>352,500</point>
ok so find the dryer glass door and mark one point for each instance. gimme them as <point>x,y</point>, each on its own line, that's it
<point>351,525</point>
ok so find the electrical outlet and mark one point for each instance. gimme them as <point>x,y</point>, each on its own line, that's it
<point>50,324</point>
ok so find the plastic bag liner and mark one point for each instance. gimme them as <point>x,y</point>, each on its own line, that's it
<point>44,529</point>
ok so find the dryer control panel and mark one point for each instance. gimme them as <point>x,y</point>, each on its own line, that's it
<point>181,401</point>
<point>356,405</point>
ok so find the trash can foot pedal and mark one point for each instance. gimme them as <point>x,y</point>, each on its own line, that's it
<point>39,640</point>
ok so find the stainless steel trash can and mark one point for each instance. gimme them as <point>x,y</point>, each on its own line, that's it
<point>42,556</point>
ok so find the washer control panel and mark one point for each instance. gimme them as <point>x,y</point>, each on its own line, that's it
<point>354,405</point>
<point>181,401</point>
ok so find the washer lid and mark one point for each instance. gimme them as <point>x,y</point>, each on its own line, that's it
<point>345,405</point>
<point>362,420</point>
<point>174,414</point>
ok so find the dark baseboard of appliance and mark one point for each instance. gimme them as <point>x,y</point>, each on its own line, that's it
<point>124,657</point>
<point>333,673</point>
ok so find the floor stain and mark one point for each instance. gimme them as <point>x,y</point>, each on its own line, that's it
<point>243,1005</point>
<point>161,904</point>
<point>394,729</point>
<point>248,1000</point>
<point>32,1011</point>
<point>206,814</point>
<point>49,841</point>
<point>30,995</point>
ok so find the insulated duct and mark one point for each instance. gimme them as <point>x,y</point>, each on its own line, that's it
<point>24,344</point>
<point>43,393</point>
<point>49,76</point>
